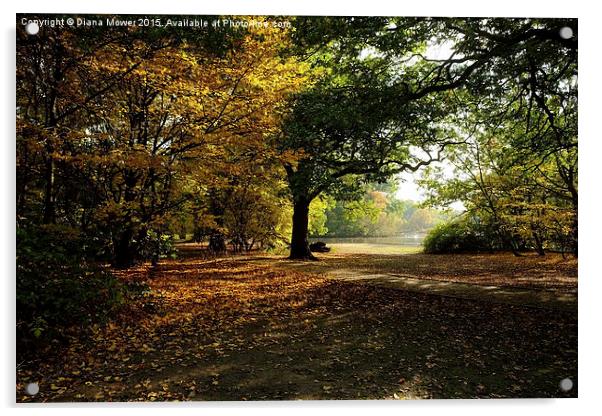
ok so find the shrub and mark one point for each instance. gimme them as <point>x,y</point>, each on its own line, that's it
<point>457,237</point>
<point>57,287</point>
<point>155,246</point>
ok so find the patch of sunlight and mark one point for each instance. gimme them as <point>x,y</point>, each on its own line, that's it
<point>371,248</point>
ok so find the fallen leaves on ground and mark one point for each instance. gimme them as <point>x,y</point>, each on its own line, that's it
<point>549,272</point>
<point>237,329</point>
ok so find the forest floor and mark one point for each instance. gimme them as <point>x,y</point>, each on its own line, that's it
<point>264,328</point>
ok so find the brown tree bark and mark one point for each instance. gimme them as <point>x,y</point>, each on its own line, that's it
<point>299,240</point>
<point>124,251</point>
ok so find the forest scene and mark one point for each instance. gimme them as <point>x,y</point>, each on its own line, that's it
<point>226,208</point>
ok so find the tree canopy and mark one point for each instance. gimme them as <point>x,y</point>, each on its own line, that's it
<point>230,133</point>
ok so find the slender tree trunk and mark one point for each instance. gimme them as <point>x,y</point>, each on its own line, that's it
<point>217,239</point>
<point>538,244</point>
<point>575,222</point>
<point>49,205</point>
<point>197,234</point>
<point>509,241</point>
<point>51,124</point>
<point>299,242</point>
<point>575,236</point>
<point>514,247</point>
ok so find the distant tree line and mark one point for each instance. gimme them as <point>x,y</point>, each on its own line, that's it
<point>377,213</point>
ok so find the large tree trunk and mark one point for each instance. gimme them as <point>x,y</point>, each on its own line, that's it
<point>217,242</point>
<point>124,251</point>
<point>299,243</point>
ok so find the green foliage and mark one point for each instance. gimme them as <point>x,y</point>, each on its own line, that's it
<point>254,217</point>
<point>57,287</point>
<point>457,237</point>
<point>378,213</point>
<point>156,246</point>
<point>517,169</point>
<point>250,211</point>
<point>380,98</point>
<point>529,198</point>
<point>159,138</point>
<point>352,219</point>
<point>317,215</point>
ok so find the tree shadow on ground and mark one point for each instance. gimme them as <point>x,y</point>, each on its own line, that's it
<point>239,330</point>
<point>550,272</point>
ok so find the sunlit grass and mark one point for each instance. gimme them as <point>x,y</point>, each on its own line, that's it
<point>371,248</point>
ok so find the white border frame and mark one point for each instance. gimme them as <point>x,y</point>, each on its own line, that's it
<point>590,277</point>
